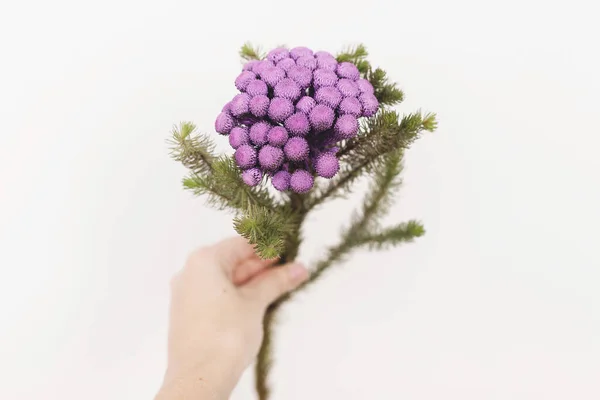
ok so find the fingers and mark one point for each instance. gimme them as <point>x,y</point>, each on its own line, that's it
<point>248,269</point>
<point>274,282</point>
<point>231,252</point>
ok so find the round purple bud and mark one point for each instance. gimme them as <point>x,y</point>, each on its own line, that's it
<point>249,66</point>
<point>321,117</point>
<point>323,54</point>
<point>296,149</point>
<point>243,79</point>
<point>239,104</point>
<point>286,64</point>
<point>329,96</point>
<point>245,156</point>
<point>224,123</point>
<point>346,126</point>
<point>348,70</point>
<point>348,88</point>
<point>308,62</point>
<point>270,157</point>
<point>281,181</point>
<point>277,136</point>
<point>258,133</point>
<point>297,124</point>
<point>327,165</point>
<point>301,181</point>
<point>298,52</point>
<point>259,105</point>
<point>226,108</point>
<point>306,104</point>
<point>365,86</point>
<point>323,77</point>
<point>328,63</point>
<point>252,176</point>
<point>260,66</point>
<point>370,104</point>
<point>272,76</point>
<point>278,54</point>
<point>301,75</point>
<point>257,87</point>
<point>288,89</point>
<point>350,105</point>
<point>280,109</point>
<point>238,137</point>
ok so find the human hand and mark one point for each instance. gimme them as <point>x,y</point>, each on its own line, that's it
<point>218,302</point>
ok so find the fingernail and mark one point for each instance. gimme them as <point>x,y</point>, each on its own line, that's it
<point>298,272</point>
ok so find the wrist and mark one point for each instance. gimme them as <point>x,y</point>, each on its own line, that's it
<point>202,382</point>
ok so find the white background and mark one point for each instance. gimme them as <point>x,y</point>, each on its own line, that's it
<point>499,300</point>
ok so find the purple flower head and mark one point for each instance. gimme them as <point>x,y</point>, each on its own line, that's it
<point>350,105</point>
<point>308,62</point>
<point>296,149</point>
<point>272,76</point>
<point>328,95</point>
<point>324,77</point>
<point>365,86</point>
<point>238,136</point>
<point>370,104</point>
<point>249,66</point>
<point>328,63</point>
<point>259,105</point>
<point>242,81</point>
<point>252,176</point>
<point>346,126</point>
<point>301,75</point>
<point>348,70</point>
<point>277,136</point>
<point>257,87</point>
<point>301,181</point>
<point>286,64</point>
<point>258,133</point>
<point>278,54</point>
<point>261,66</point>
<point>281,181</point>
<point>327,165</point>
<point>323,54</point>
<point>306,104</point>
<point>288,89</point>
<point>298,52</point>
<point>245,156</point>
<point>297,124</point>
<point>239,104</point>
<point>321,118</point>
<point>348,88</point>
<point>280,108</point>
<point>270,157</point>
<point>224,123</point>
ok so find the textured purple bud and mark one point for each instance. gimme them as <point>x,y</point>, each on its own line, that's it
<point>296,149</point>
<point>352,106</point>
<point>238,137</point>
<point>227,108</point>
<point>252,176</point>
<point>298,52</point>
<point>370,104</point>
<point>224,123</point>
<point>321,54</point>
<point>321,117</point>
<point>243,79</point>
<point>327,165</point>
<point>365,86</point>
<point>297,124</point>
<point>259,105</point>
<point>329,96</point>
<point>272,76</point>
<point>258,133</point>
<point>301,181</point>
<point>348,88</point>
<point>306,104</point>
<point>278,54</point>
<point>281,181</point>
<point>288,89</point>
<point>286,64</point>
<point>348,70</point>
<point>249,66</point>
<point>323,77</point>
<point>301,75</point>
<point>245,156</point>
<point>270,157</point>
<point>346,126</point>
<point>280,109</point>
<point>328,63</point>
<point>307,61</point>
<point>277,136</point>
<point>257,87</point>
<point>261,66</point>
<point>239,104</point>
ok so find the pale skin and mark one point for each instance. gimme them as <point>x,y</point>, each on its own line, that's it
<point>218,301</point>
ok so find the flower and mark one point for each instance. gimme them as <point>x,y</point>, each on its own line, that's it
<point>291,111</point>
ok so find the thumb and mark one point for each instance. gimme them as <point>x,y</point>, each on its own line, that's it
<point>274,282</point>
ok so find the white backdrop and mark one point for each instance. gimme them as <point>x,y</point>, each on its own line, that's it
<point>499,300</point>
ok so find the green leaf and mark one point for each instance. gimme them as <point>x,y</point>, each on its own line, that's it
<point>248,52</point>
<point>386,92</point>
<point>195,151</point>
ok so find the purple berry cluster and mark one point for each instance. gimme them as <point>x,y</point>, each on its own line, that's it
<point>292,110</point>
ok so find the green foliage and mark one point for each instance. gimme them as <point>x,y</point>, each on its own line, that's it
<point>248,52</point>
<point>356,55</point>
<point>386,92</point>
<point>195,151</point>
<point>393,236</point>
